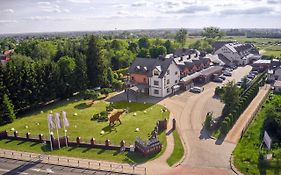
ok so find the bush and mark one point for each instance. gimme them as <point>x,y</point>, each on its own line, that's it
<point>219,91</point>
<point>90,94</point>
<point>105,91</point>
<point>208,120</point>
<point>224,128</point>
<point>101,117</point>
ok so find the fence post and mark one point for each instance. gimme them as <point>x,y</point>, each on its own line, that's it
<point>89,164</point>
<point>122,168</point>
<point>99,165</point>
<point>145,170</point>
<point>110,167</point>
<point>67,162</point>
<point>133,169</point>
<point>78,163</point>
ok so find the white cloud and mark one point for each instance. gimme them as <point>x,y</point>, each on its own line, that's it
<point>7,11</point>
<point>139,4</point>
<point>8,21</point>
<point>44,3</point>
<point>80,1</point>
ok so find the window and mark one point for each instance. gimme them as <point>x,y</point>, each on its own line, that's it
<point>133,78</point>
<point>168,90</point>
<point>156,72</point>
<point>168,72</point>
<point>156,83</point>
<point>144,79</point>
<point>176,81</point>
<point>176,73</point>
<point>156,91</point>
<point>168,81</point>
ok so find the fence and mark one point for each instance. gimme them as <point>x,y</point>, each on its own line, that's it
<point>256,110</point>
<point>74,163</point>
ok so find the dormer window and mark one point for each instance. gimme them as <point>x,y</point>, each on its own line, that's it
<point>145,68</point>
<point>138,67</point>
<point>155,72</point>
<point>168,72</point>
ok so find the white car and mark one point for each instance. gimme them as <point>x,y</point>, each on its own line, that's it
<point>197,89</point>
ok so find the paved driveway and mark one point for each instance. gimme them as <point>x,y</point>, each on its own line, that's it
<point>203,154</point>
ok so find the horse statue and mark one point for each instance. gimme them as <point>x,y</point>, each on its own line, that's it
<point>115,116</point>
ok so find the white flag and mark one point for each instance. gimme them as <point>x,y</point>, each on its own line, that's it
<point>50,121</point>
<point>65,120</point>
<point>58,122</point>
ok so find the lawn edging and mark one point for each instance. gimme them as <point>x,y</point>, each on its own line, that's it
<point>178,153</point>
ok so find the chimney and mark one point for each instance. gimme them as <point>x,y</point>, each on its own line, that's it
<point>181,59</point>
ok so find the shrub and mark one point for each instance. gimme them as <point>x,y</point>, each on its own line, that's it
<point>90,94</point>
<point>208,120</point>
<point>101,117</point>
<point>224,128</point>
<point>105,91</point>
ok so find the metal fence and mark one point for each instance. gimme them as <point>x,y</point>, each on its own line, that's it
<point>74,162</point>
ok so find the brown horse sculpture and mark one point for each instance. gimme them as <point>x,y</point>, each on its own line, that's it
<point>115,116</point>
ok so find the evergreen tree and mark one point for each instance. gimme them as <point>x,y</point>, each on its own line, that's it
<point>8,114</point>
<point>96,64</point>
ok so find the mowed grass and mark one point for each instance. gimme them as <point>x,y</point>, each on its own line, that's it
<point>82,125</point>
<point>246,153</point>
<point>178,150</point>
<point>145,119</point>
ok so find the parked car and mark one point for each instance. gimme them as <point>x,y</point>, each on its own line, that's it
<point>222,77</point>
<point>227,73</point>
<point>218,80</point>
<point>239,83</point>
<point>254,72</point>
<point>197,89</point>
<point>251,76</point>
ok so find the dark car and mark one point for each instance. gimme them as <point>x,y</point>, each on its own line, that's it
<point>222,77</point>
<point>226,73</point>
<point>218,80</point>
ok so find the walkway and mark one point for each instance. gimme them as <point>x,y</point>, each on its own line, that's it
<point>235,133</point>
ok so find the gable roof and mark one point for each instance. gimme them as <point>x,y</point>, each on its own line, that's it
<point>162,64</point>
<point>218,44</point>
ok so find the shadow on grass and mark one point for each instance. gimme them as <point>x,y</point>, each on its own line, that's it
<point>22,142</point>
<point>8,141</point>
<point>34,144</point>
<point>108,129</point>
<point>86,150</point>
<point>101,151</point>
<point>138,158</point>
<point>82,106</point>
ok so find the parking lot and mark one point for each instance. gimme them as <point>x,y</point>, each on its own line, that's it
<point>190,110</point>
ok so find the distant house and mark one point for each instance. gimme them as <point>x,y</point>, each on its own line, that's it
<point>236,53</point>
<point>274,71</point>
<point>155,76</point>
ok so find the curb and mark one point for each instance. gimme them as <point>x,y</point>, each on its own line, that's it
<point>232,166</point>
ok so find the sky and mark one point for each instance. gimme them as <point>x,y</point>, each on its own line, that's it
<point>25,16</point>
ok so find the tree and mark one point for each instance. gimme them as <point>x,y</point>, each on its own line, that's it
<point>156,51</point>
<point>212,32</point>
<point>8,114</point>
<point>143,53</point>
<point>169,46</point>
<point>133,47</point>
<point>144,43</point>
<point>244,83</point>
<point>105,91</point>
<point>230,97</point>
<point>181,37</point>
<point>91,95</point>
<point>96,64</point>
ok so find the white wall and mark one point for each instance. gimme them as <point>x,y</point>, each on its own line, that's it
<point>163,86</point>
<point>232,56</point>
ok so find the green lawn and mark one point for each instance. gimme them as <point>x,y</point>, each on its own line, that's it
<point>246,153</point>
<point>178,151</point>
<point>81,125</point>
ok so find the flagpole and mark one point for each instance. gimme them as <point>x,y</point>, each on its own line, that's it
<point>64,118</point>
<point>65,135</point>
<point>51,144</point>
<point>57,126</point>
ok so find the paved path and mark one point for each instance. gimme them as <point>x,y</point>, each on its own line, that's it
<point>235,133</point>
<point>203,155</point>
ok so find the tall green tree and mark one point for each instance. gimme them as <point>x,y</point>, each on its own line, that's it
<point>181,37</point>
<point>96,63</point>
<point>230,96</point>
<point>8,114</point>
<point>144,43</point>
<point>156,51</point>
<point>169,46</point>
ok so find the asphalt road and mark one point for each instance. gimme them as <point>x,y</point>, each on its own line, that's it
<point>16,167</point>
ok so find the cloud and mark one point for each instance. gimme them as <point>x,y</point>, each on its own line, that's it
<point>191,9</point>
<point>8,21</point>
<point>248,11</point>
<point>44,3</point>
<point>7,11</point>
<point>80,1</point>
<point>52,8</point>
<point>273,1</point>
<point>139,4</point>
<point>47,18</point>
